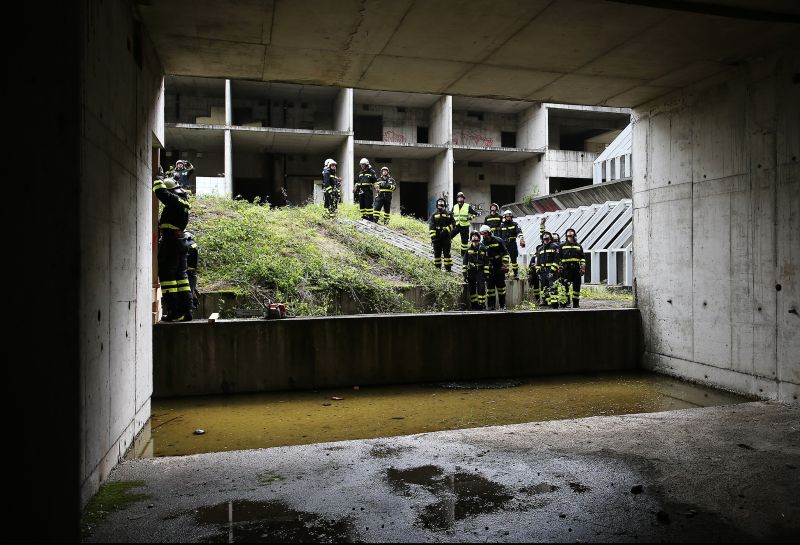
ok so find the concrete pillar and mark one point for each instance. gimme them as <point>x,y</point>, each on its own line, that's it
<point>608,170</point>
<point>345,168</point>
<point>532,180</point>
<point>441,183</point>
<point>228,140</point>
<point>628,280</point>
<point>628,165</point>
<point>441,124</point>
<point>532,128</point>
<point>595,260</point>
<point>618,167</point>
<point>611,265</point>
<point>343,121</point>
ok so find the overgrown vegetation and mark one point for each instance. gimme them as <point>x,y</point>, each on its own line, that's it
<point>296,255</point>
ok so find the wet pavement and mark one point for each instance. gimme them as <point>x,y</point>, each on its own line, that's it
<point>723,474</point>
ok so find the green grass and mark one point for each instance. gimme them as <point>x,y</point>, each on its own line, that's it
<point>298,256</point>
<point>604,294</point>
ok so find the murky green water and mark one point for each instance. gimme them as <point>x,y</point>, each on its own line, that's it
<point>293,418</point>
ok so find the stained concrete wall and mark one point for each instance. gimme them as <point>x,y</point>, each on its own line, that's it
<point>120,94</point>
<point>399,127</point>
<point>533,127</point>
<point>479,191</point>
<point>265,355</point>
<point>569,164</point>
<point>716,193</point>
<point>468,130</point>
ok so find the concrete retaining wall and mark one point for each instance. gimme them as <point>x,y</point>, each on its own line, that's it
<point>716,194</point>
<point>261,355</point>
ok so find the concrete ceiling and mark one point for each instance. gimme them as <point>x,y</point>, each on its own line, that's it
<point>284,91</point>
<point>389,98</point>
<point>618,53</point>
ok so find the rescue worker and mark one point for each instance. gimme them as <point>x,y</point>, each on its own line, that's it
<point>559,285</point>
<point>440,225</point>
<point>173,249</point>
<point>184,169</point>
<point>362,191</point>
<point>547,264</point>
<point>573,267</point>
<point>192,258</point>
<point>331,187</point>
<point>495,271</point>
<point>383,199</point>
<point>462,214</point>
<point>533,270</point>
<point>476,263</point>
<point>494,219</point>
<point>510,232</point>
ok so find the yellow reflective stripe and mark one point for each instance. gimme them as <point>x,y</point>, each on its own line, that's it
<point>182,282</point>
<point>570,259</point>
<point>169,282</point>
<point>191,269</point>
<point>183,288</point>
<point>194,245</point>
<point>168,226</point>
<point>159,185</point>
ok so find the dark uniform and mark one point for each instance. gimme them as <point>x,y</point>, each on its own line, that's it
<point>363,191</point>
<point>192,258</point>
<point>331,189</point>
<point>173,251</point>
<point>509,232</point>
<point>497,256</point>
<point>183,176</point>
<point>383,200</point>
<point>440,225</point>
<point>493,221</point>
<point>547,263</point>
<point>462,213</point>
<point>572,261</point>
<point>533,271</point>
<point>476,265</point>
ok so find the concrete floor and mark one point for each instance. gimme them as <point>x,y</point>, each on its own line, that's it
<point>727,473</point>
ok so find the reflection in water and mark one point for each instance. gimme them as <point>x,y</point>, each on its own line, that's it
<point>461,495</point>
<point>291,418</point>
<point>270,522</point>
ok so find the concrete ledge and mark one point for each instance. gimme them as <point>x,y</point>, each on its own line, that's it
<point>262,355</point>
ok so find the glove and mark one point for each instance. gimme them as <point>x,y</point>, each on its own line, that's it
<point>522,243</point>
<point>583,271</point>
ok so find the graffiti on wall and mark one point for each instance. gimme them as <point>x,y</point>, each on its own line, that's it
<point>392,136</point>
<point>473,138</point>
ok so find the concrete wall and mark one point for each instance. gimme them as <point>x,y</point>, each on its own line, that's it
<point>716,192</point>
<point>479,191</point>
<point>116,236</point>
<point>343,121</point>
<point>441,178</point>
<point>265,355</point>
<point>569,164</point>
<point>470,131</point>
<point>441,122</point>
<point>532,180</point>
<point>399,127</point>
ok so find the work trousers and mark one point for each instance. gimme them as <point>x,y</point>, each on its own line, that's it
<point>534,283</point>
<point>572,279</point>
<point>382,208</point>
<point>331,202</point>
<point>513,254</point>
<point>496,286</point>
<point>477,289</point>
<point>547,282</point>
<point>172,274</point>
<point>365,201</point>
<point>462,230</point>
<point>441,246</point>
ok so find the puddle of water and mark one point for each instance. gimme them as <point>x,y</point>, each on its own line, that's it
<point>461,495</point>
<point>270,522</point>
<point>293,418</point>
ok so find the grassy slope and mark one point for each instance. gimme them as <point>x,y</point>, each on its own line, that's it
<point>296,255</point>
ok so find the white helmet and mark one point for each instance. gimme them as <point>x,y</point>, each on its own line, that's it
<point>385,168</point>
<point>484,229</point>
<point>364,161</point>
<point>508,213</point>
<point>329,162</point>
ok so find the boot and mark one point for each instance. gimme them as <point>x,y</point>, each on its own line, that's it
<point>575,303</point>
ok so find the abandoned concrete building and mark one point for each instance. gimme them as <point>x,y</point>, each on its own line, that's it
<point>454,94</point>
<point>268,140</point>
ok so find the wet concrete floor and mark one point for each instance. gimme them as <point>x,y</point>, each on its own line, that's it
<point>717,474</point>
<point>295,418</point>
